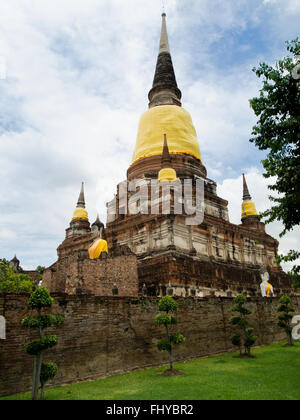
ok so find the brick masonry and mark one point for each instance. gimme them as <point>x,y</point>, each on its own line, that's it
<point>76,273</point>
<point>183,270</point>
<point>102,336</point>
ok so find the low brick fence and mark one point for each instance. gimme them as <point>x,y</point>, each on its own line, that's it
<point>103,336</point>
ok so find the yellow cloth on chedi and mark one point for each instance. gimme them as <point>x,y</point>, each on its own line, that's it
<point>171,120</point>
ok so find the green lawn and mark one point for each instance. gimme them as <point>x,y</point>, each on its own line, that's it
<point>273,375</point>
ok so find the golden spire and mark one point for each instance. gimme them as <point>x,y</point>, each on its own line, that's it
<point>80,212</point>
<point>248,206</point>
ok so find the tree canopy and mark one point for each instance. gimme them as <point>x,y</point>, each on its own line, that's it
<point>11,282</point>
<point>245,338</point>
<point>278,132</point>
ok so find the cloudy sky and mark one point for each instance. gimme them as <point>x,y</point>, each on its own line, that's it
<point>74,79</point>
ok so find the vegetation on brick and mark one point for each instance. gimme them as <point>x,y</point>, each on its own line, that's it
<point>245,338</point>
<point>285,317</point>
<point>41,299</point>
<point>10,282</point>
<point>166,305</point>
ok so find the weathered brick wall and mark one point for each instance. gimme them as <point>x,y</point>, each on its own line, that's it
<point>184,270</point>
<point>104,336</point>
<point>76,273</point>
<point>121,270</point>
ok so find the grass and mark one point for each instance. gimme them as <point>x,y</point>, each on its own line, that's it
<point>272,375</point>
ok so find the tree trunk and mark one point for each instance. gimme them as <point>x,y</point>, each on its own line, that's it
<point>37,369</point>
<point>290,339</point>
<point>170,352</point>
<point>43,392</point>
<point>245,339</point>
<point>40,360</point>
<point>171,359</point>
<point>34,378</point>
<point>36,375</point>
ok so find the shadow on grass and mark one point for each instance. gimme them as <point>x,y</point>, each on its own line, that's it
<point>171,372</point>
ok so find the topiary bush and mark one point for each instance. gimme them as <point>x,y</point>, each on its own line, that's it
<point>245,339</point>
<point>285,317</point>
<point>40,299</point>
<point>166,305</point>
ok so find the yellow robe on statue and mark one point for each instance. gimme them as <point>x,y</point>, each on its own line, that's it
<point>98,247</point>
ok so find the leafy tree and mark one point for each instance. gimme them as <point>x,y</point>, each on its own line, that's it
<point>167,305</point>
<point>246,338</point>
<point>40,269</point>
<point>295,272</point>
<point>278,132</point>
<point>285,317</point>
<point>40,299</point>
<point>10,282</point>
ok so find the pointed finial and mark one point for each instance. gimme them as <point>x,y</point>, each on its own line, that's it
<point>81,200</point>
<point>15,259</point>
<point>246,194</point>
<point>164,89</point>
<point>164,46</point>
<point>167,173</point>
<point>98,222</point>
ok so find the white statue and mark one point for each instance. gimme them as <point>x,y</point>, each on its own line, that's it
<point>200,293</point>
<point>266,287</point>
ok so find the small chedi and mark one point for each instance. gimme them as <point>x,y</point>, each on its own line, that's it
<point>15,265</point>
<point>158,253</point>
